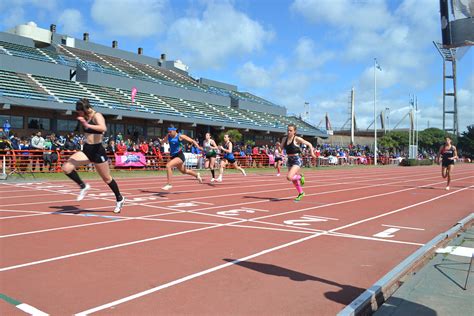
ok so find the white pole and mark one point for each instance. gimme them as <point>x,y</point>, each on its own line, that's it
<point>3,166</point>
<point>352,116</point>
<point>416,124</point>
<point>375,112</point>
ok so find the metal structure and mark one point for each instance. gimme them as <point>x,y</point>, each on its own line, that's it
<point>450,103</point>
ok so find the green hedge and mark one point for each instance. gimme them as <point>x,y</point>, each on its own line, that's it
<point>416,162</point>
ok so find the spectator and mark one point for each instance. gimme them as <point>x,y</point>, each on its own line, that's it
<point>37,145</point>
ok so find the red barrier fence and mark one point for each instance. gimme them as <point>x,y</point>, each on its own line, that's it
<point>51,161</point>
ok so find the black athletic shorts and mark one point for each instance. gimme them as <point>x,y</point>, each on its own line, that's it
<point>278,159</point>
<point>95,153</point>
<point>446,163</point>
<point>180,155</point>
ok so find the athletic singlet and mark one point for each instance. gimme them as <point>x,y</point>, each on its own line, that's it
<point>207,146</point>
<point>90,130</point>
<point>447,153</point>
<point>175,144</point>
<point>277,153</point>
<point>228,155</point>
<point>291,149</point>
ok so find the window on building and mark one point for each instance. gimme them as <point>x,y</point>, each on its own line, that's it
<point>16,122</point>
<point>67,125</point>
<point>40,123</point>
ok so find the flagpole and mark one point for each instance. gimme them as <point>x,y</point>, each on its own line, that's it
<point>375,112</point>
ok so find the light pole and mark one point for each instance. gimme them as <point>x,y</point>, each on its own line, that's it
<point>376,66</point>
<point>387,112</point>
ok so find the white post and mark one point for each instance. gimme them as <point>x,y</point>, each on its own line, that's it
<point>416,125</point>
<point>352,116</point>
<point>375,112</point>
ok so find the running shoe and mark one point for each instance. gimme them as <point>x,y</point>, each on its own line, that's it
<point>219,179</point>
<point>278,174</point>
<point>118,207</point>
<point>447,188</point>
<point>212,179</point>
<point>167,187</point>
<point>83,192</point>
<point>244,173</point>
<point>302,180</point>
<point>198,176</point>
<point>299,197</point>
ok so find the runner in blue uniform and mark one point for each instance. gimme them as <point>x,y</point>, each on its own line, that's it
<point>448,154</point>
<point>228,158</point>
<point>174,139</point>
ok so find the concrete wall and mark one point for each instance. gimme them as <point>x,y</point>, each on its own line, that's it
<point>254,106</point>
<point>20,40</point>
<point>35,67</point>
<point>218,84</point>
<point>107,50</point>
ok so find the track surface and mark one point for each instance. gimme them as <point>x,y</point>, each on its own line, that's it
<point>238,247</point>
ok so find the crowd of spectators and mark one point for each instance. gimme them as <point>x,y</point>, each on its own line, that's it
<point>44,150</point>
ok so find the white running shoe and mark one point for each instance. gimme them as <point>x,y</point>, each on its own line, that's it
<point>447,188</point>
<point>167,187</point>
<point>212,179</point>
<point>278,174</point>
<point>118,207</point>
<point>244,173</point>
<point>219,179</point>
<point>198,176</point>
<point>83,192</point>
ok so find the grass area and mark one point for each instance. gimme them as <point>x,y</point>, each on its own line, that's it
<point>119,174</point>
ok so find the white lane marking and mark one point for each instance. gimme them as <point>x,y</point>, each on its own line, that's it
<point>31,310</point>
<point>222,266</point>
<point>388,233</point>
<point>403,227</point>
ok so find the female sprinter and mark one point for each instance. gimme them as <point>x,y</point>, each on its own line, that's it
<point>291,144</point>
<point>93,152</point>
<point>174,139</point>
<point>278,154</point>
<point>448,153</point>
<point>228,158</point>
<point>210,149</point>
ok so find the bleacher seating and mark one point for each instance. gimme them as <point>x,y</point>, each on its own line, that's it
<point>16,85</point>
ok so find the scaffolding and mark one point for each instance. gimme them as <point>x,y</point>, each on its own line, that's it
<point>450,104</point>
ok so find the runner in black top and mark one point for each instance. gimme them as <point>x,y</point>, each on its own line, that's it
<point>448,155</point>
<point>291,144</point>
<point>93,151</point>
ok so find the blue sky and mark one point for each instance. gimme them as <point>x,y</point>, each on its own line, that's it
<point>288,51</point>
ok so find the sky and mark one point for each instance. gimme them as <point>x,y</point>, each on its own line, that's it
<point>286,51</point>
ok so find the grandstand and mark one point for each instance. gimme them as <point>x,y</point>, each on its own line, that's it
<point>43,73</point>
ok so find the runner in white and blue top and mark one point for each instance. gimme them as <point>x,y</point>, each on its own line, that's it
<point>210,151</point>
<point>228,158</point>
<point>175,139</point>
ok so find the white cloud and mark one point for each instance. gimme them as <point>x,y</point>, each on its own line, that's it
<point>254,76</point>
<point>13,11</point>
<point>220,33</point>
<point>308,56</point>
<point>134,18</point>
<point>367,15</point>
<point>70,22</point>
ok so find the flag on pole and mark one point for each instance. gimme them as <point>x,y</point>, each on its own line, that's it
<point>328,124</point>
<point>134,93</point>
<point>377,65</point>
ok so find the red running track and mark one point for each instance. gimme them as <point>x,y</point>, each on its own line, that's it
<point>238,247</point>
